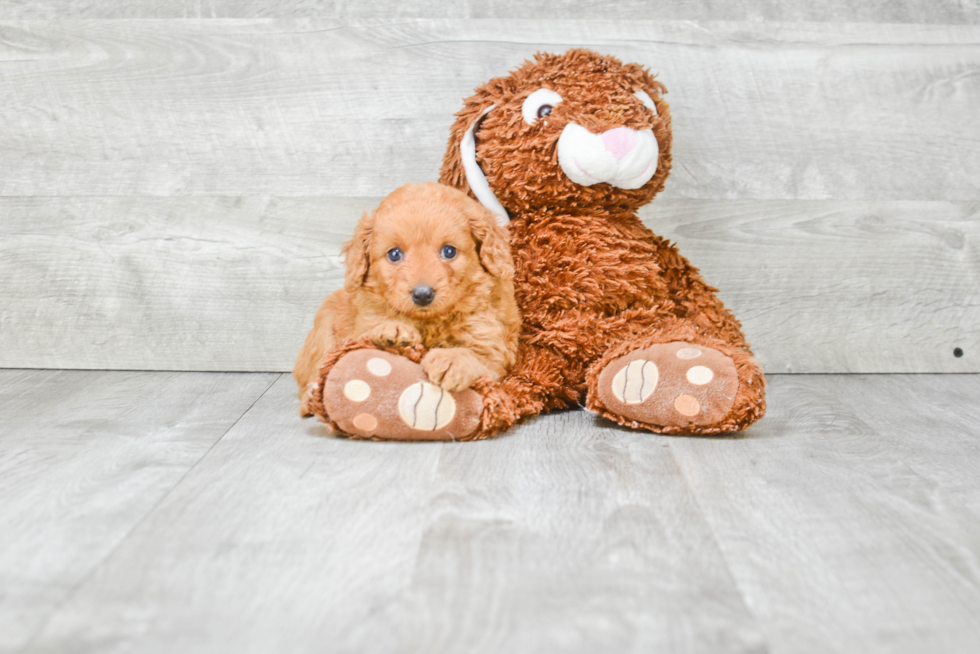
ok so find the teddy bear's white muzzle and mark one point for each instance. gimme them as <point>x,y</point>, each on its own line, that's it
<point>623,157</point>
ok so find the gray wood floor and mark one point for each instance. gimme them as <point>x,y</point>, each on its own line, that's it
<point>192,512</point>
<point>177,178</point>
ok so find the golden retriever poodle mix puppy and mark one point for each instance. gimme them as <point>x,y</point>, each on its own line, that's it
<point>429,267</point>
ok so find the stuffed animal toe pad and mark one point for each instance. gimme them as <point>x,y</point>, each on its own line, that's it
<point>669,385</point>
<point>379,395</point>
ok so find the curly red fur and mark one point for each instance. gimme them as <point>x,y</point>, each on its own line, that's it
<point>470,327</point>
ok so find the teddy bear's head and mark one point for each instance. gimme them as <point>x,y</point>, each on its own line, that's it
<point>576,133</point>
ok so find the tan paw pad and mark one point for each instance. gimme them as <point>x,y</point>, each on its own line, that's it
<point>357,390</point>
<point>426,407</point>
<point>635,382</point>
<point>700,375</point>
<point>378,367</point>
<point>365,422</point>
<point>687,405</point>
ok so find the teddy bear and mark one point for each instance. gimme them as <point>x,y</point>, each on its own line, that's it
<point>564,151</point>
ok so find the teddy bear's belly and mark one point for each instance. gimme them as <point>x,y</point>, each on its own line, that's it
<point>592,269</point>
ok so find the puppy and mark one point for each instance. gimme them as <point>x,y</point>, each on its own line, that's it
<point>429,266</point>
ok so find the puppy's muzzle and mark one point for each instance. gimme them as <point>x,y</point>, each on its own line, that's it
<point>423,295</point>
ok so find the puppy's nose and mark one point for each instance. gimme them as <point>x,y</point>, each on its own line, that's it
<point>423,295</point>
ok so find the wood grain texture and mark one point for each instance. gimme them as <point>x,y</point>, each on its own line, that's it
<point>841,286</point>
<point>84,458</point>
<point>891,11</point>
<point>849,516</point>
<point>161,283</point>
<point>564,537</point>
<point>317,107</point>
<point>219,283</point>
<point>845,521</point>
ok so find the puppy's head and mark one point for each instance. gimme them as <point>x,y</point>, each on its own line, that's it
<point>427,250</point>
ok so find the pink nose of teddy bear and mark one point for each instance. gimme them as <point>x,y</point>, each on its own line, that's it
<point>619,141</point>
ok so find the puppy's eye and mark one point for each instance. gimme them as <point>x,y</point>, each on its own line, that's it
<point>539,105</point>
<point>647,101</point>
<point>448,252</point>
<point>394,255</point>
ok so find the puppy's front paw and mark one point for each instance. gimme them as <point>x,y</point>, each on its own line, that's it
<point>394,334</point>
<point>453,368</point>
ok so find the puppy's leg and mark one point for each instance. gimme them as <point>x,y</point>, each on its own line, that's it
<point>319,341</point>
<point>394,334</point>
<point>454,368</point>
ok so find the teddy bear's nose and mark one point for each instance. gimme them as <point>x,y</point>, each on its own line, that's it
<point>423,295</point>
<point>619,141</point>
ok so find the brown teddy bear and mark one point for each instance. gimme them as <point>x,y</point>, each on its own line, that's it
<point>565,150</point>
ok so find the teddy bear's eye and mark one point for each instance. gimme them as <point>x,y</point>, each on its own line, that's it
<point>448,252</point>
<point>394,255</point>
<point>647,101</point>
<point>539,105</point>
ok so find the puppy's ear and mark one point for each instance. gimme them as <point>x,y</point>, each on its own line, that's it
<point>357,253</point>
<point>492,244</point>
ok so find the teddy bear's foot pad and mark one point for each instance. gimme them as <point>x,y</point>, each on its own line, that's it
<point>379,395</point>
<point>670,384</point>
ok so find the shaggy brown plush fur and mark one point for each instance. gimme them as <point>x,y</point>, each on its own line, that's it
<point>593,284</point>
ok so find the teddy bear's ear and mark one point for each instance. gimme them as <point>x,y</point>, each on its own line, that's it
<point>357,253</point>
<point>654,89</point>
<point>459,167</point>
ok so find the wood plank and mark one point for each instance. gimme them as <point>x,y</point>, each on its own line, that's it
<point>849,516</point>
<point>841,286</point>
<point>84,458</point>
<point>310,107</point>
<point>564,536</point>
<point>166,283</point>
<point>217,283</point>
<point>836,11</point>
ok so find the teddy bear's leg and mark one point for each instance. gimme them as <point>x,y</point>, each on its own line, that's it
<point>538,383</point>
<point>677,379</point>
<point>363,392</point>
<point>358,395</point>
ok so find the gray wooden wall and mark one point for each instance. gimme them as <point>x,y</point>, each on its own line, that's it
<point>176,177</point>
